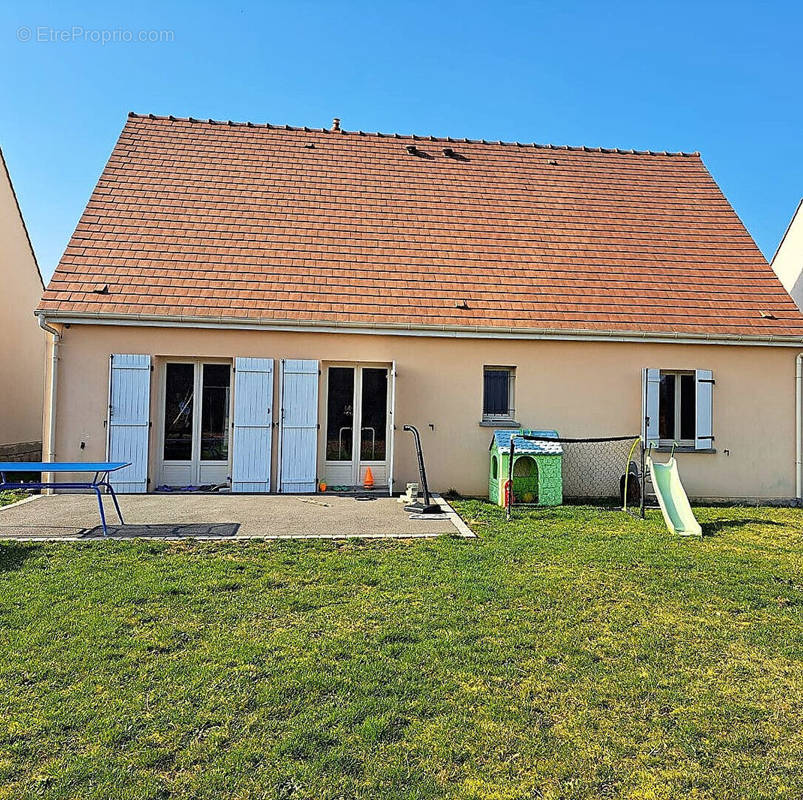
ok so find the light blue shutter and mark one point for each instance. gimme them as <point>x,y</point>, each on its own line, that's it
<point>392,427</point>
<point>650,394</point>
<point>253,415</point>
<point>298,428</point>
<point>704,431</point>
<point>129,420</point>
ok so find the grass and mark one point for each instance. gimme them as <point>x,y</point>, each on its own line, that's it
<point>574,653</point>
<point>7,498</point>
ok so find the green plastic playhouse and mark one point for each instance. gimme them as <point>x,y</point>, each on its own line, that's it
<point>537,468</point>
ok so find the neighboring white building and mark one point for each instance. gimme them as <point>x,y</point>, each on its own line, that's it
<point>22,341</point>
<point>788,259</point>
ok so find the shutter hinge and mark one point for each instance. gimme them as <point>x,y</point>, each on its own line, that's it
<point>151,367</point>
<point>706,380</point>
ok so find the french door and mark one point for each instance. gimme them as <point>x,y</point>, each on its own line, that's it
<point>196,409</point>
<point>357,425</point>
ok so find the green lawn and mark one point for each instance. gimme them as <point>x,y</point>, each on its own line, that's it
<point>575,653</point>
<point>7,498</point>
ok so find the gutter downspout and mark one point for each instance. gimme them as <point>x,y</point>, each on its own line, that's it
<point>54,369</point>
<point>799,427</point>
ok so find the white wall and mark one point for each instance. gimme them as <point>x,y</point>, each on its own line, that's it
<point>788,259</point>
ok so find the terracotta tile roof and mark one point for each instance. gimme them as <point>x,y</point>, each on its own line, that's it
<point>270,223</point>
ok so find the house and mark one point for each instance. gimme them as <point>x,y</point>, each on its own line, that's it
<point>22,342</point>
<point>788,259</point>
<point>270,305</point>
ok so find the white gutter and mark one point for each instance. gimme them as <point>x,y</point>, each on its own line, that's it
<point>799,426</point>
<point>54,369</point>
<point>399,329</point>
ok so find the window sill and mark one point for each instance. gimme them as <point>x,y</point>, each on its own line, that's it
<point>499,423</point>
<point>668,449</point>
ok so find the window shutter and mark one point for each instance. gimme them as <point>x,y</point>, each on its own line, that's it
<point>650,391</point>
<point>392,426</point>
<point>129,420</point>
<point>298,427</point>
<point>704,432</point>
<point>253,419</point>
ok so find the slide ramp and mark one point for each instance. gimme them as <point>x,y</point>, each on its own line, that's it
<point>672,498</point>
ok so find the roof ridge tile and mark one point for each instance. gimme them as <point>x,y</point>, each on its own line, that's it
<point>419,137</point>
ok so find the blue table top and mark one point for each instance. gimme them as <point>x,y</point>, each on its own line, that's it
<point>62,466</point>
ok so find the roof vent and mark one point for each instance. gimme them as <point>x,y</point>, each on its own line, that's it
<point>414,151</point>
<point>310,145</point>
<point>552,162</point>
<point>767,315</point>
<point>450,152</point>
<point>103,289</point>
<point>336,124</point>
<point>462,305</point>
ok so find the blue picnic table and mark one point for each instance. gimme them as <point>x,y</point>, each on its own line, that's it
<point>100,470</point>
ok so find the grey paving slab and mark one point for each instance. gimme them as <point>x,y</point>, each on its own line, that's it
<point>224,516</point>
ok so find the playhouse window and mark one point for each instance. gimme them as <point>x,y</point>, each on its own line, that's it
<point>677,408</point>
<point>497,396</point>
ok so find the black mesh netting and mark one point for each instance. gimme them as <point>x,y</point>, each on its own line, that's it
<point>594,469</point>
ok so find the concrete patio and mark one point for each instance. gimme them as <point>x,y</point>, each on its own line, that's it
<point>72,517</point>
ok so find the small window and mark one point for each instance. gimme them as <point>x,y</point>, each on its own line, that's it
<point>497,397</point>
<point>677,408</point>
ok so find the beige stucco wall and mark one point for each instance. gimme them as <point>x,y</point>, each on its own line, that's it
<point>22,342</point>
<point>580,388</point>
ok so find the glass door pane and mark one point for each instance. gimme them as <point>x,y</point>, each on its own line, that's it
<point>374,409</point>
<point>179,405</point>
<point>340,414</point>
<point>216,386</point>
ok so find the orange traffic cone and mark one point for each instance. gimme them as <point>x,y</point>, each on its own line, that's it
<point>368,483</point>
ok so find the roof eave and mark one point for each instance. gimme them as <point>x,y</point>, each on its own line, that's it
<point>406,329</point>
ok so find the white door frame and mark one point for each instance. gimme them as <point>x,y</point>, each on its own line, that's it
<point>195,463</point>
<point>356,462</point>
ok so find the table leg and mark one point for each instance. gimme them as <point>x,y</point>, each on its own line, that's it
<point>100,508</point>
<point>114,498</point>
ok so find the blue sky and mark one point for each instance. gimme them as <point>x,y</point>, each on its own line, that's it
<point>721,77</point>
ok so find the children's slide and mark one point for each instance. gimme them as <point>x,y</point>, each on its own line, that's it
<point>672,498</point>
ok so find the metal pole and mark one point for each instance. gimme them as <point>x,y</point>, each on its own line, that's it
<point>508,488</point>
<point>643,478</point>
<point>428,507</point>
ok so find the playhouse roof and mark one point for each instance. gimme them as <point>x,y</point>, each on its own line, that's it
<point>236,223</point>
<point>502,441</point>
